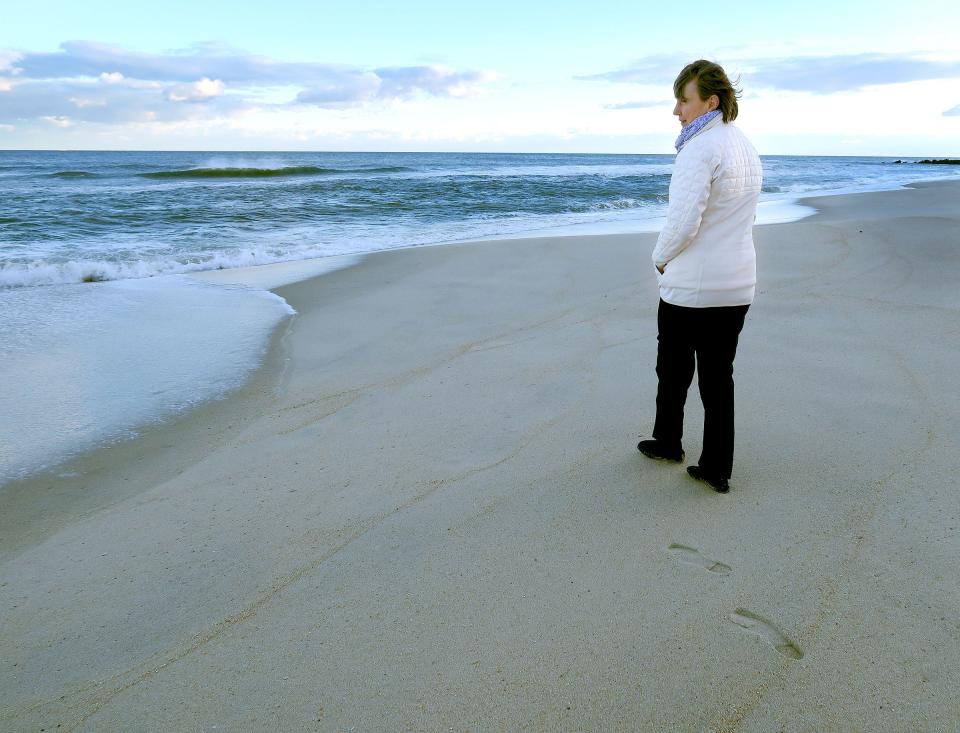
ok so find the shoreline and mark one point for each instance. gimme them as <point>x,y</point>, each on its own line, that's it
<point>61,480</point>
<point>269,277</point>
<point>775,207</point>
<point>429,497</point>
<point>44,502</point>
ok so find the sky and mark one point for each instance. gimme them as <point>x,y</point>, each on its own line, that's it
<point>824,78</point>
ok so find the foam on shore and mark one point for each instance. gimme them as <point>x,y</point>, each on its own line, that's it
<point>91,364</point>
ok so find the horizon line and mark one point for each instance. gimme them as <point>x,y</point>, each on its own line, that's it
<point>429,152</point>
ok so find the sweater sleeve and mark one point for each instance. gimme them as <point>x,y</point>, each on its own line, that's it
<point>689,192</point>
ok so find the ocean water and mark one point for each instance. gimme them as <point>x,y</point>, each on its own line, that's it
<point>74,216</point>
<point>103,330</point>
<point>89,364</point>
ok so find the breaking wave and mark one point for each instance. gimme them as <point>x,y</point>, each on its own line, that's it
<point>16,275</point>
<point>297,170</point>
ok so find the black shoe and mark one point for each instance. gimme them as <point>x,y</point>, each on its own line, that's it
<point>655,449</point>
<point>718,484</point>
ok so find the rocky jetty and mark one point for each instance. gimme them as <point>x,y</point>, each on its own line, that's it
<point>944,161</point>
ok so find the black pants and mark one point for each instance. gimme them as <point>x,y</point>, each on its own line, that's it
<point>710,335</point>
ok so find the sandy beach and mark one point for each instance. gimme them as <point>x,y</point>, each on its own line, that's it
<point>426,512</point>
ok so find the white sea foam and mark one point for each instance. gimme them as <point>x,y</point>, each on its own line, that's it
<point>619,204</point>
<point>775,211</point>
<point>15,274</point>
<point>279,273</point>
<point>89,364</point>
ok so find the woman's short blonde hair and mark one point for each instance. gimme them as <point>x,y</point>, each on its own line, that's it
<point>711,79</point>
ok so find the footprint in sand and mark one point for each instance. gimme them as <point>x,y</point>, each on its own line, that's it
<point>692,556</point>
<point>767,631</point>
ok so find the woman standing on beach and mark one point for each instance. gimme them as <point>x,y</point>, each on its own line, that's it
<point>706,268</point>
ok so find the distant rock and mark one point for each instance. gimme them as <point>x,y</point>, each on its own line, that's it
<point>945,161</point>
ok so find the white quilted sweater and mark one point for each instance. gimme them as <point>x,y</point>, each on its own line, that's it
<point>706,246</point>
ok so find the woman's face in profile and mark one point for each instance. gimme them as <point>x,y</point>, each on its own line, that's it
<point>689,105</point>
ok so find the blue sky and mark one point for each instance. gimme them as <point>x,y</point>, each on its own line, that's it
<point>825,78</point>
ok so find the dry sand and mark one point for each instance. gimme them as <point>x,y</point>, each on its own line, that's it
<point>427,510</point>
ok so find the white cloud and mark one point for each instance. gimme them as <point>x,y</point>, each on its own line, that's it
<point>8,58</point>
<point>346,88</point>
<point>81,102</point>
<point>350,87</point>
<point>198,91</point>
<point>95,82</point>
<point>116,79</point>
<point>823,74</point>
<point>438,80</point>
<point>842,73</point>
<point>655,70</point>
<point>7,128</point>
<point>639,105</point>
<point>233,67</point>
<point>112,104</point>
<point>58,120</point>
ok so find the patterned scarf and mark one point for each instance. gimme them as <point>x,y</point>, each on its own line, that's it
<point>694,127</point>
